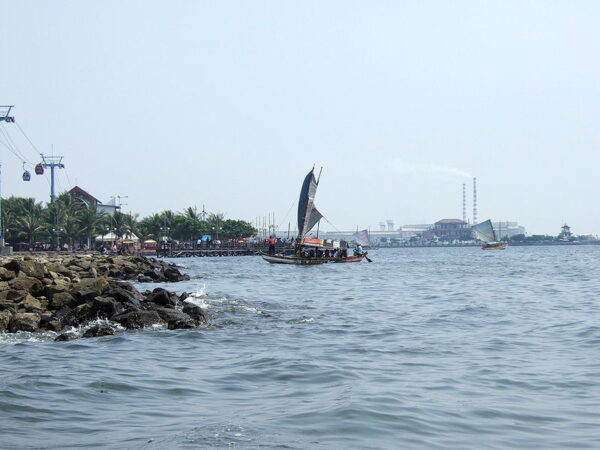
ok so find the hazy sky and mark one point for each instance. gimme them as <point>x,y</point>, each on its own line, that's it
<point>229,104</point>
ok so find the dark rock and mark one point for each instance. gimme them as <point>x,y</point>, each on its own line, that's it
<point>195,312</point>
<point>15,295</point>
<point>176,319</point>
<point>25,283</point>
<point>13,265</point>
<point>138,319</point>
<point>6,274</point>
<point>62,299</point>
<point>144,279</point>
<point>97,285</point>
<point>5,317</point>
<point>65,337</point>
<point>31,304</point>
<point>152,274</point>
<point>78,315</point>
<point>162,297</point>
<point>34,269</point>
<point>24,322</point>
<point>123,295</point>
<point>99,330</point>
<point>48,322</point>
<point>105,307</point>
<point>8,305</point>
<point>172,274</point>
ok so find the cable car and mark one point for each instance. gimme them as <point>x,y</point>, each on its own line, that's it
<point>26,176</point>
<point>39,169</point>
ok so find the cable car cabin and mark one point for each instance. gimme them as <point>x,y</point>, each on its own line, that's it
<point>39,169</point>
<point>26,176</point>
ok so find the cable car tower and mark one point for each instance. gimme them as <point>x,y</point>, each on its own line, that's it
<point>52,162</point>
<point>4,117</point>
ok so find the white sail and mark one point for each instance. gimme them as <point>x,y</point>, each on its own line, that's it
<point>484,231</point>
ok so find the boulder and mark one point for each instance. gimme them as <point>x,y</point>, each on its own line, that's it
<point>48,322</point>
<point>162,297</point>
<point>34,269</point>
<point>8,305</point>
<point>24,322</point>
<point>78,315</point>
<point>97,285</point>
<point>65,337</point>
<point>105,307</point>
<point>26,283</point>
<point>99,330</point>
<point>195,312</point>
<point>13,265</point>
<point>31,304</point>
<point>123,295</point>
<point>5,317</point>
<point>6,274</point>
<point>144,279</point>
<point>176,319</point>
<point>138,319</point>
<point>62,299</point>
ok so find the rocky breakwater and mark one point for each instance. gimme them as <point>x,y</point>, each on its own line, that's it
<point>85,296</point>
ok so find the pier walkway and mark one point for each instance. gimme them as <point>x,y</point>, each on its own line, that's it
<point>223,250</point>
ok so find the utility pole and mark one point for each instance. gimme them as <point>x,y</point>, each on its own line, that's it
<point>52,162</point>
<point>4,117</point>
<point>117,199</point>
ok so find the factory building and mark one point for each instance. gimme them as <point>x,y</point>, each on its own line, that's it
<point>449,230</point>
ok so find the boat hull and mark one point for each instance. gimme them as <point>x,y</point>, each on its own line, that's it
<point>494,246</point>
<point>302,261</point>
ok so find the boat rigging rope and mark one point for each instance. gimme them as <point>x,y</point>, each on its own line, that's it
<point>336,228</point>
<point>286,215</point>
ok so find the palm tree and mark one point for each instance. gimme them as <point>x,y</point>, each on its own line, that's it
<point>30,226</point>
<point>90,222</point>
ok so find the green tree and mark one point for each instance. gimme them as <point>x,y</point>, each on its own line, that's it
<point>91,222</point>
<point>237,229</point>
<point>30,226</point>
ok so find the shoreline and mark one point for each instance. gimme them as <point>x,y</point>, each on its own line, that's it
<point>65,292</point>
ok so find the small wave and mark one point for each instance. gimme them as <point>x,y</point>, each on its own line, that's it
<point>301,320</point>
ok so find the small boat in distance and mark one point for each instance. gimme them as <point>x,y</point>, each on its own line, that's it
<point>484,231</point>
<point>309,251</point>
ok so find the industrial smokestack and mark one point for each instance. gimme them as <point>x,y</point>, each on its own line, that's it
<point>474,201</point>
<point>464,202</point>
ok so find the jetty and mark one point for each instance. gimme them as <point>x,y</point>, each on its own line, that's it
<point>225,249</point>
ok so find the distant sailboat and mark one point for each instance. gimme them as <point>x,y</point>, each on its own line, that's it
<point>313,251</point>
<point>484,231</point>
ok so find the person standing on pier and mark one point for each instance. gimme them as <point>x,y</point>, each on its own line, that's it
<point>272,242</point>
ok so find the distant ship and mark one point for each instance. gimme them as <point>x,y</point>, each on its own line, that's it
<point>313,251</point>
<point>485,232</point>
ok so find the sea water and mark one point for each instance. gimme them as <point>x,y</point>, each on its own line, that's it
<point>423,348</point>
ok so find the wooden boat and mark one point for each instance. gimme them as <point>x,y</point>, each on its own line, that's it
<point>494,246</point>
<point>484,231</point>
<point>308,261</point>
<point>313,251</point>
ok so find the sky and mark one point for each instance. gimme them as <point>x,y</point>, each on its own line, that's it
<point>230,104</point>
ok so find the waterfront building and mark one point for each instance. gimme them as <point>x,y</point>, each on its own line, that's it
<point>507,229</point>
<point>84,197</point>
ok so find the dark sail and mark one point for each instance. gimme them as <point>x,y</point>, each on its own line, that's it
<point>308,215</point>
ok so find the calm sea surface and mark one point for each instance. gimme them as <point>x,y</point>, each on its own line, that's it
<point>423,348</point>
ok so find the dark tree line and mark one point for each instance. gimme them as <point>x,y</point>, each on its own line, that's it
<point>68,220</point>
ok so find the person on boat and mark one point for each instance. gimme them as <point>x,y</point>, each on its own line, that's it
<point>359,250</point>
<point>272,242</point>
